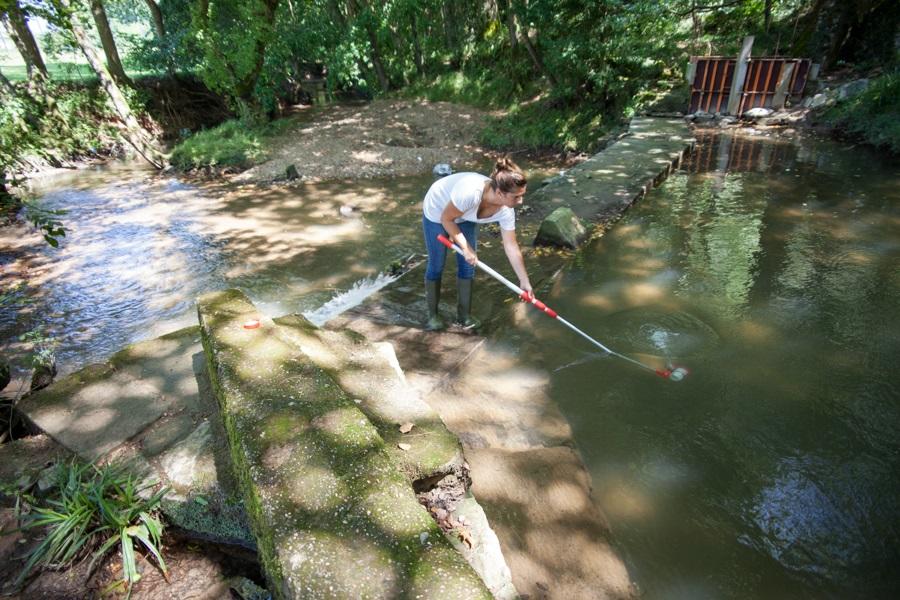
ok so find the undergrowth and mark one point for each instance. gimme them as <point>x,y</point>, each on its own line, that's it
<point>91,510</point>
<point>231,144</point>
<point>872,116</point>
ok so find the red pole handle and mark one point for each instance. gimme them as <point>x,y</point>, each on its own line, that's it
<point>539,305</point>
<point>443,239</point>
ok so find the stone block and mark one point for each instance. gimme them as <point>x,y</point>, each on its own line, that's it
<point>332,512</point>
<point>563,228</point>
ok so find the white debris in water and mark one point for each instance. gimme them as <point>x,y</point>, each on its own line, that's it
<point>360,290</point>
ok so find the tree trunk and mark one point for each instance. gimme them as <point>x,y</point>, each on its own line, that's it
<point>247,84</point>
<point>113,62</point>
<point>451,33</point>
<point>767,11</point>
<point>536,59</point>
<point>380,71</point>
<point>157,15</point>
<point>17,27</point>
<point>6,88</point>
<point>506,10</point>
<point>417,48</point>
<point>134,134</point>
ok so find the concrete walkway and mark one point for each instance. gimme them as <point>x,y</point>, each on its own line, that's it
<point>601,189</point>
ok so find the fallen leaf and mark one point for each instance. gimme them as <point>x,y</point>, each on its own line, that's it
<point>465,537</point>
<point>406,428</point>
<point>404,446</point>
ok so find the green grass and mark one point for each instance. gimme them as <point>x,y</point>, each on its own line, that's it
<point>872,116</point>
<point>63,71</point>
<point>231,144</point>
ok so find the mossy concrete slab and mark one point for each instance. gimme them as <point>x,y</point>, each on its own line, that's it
<point>371,374</point>
<point>102,406</point>
<point>94,411</point>
<point>601,188</point>
<point>332,512</point>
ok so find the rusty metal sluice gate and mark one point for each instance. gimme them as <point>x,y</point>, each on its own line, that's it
<point>768,83</point>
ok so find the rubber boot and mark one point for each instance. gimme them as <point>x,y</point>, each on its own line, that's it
<point>464,306</point>
<point>433,299</point>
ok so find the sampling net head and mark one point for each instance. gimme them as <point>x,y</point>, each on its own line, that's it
<point>678,373</point>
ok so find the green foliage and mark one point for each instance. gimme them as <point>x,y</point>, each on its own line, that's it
<point>67,121</point>
<point>541,126</point>
<point>43,347</point>
<point>232,144</point>
<point>92,510</point>
<point>872,116</point>
<point>46,221</point>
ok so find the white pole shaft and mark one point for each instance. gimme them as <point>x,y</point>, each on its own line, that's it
<point>520,292</point>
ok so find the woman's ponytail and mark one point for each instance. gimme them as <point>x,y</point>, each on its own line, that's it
<point>507,176</point>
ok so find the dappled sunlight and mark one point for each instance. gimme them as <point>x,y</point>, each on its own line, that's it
<point>644,293</point>
<point>313,488</point>
<point>621,501</point>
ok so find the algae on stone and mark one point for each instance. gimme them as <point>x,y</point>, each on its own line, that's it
<point>332,512</point>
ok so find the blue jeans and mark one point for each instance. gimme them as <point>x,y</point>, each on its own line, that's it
<point>437,252</point>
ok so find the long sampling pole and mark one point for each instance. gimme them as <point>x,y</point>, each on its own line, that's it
<point>676,374</point>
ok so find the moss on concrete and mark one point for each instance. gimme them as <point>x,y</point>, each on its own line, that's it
<point>332,512</point>
<point>371,375</point>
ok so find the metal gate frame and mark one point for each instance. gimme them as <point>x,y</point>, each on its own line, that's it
<point>711,84</point>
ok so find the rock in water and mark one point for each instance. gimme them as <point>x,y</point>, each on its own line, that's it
<point>441,170</point>
<point>758,113</point>
<point>43,375</point>
<point>563,228</point>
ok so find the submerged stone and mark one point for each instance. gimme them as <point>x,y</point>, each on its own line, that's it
<point>561,228</point>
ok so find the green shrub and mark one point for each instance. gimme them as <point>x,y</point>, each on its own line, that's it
<point>231,144</point>
<point>92,510</point>
<point>872,116</point>
<point>542,126</point>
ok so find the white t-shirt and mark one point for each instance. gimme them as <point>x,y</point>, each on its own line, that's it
<point>464,190</point>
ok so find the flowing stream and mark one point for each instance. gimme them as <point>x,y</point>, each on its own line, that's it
<point>771,270</point>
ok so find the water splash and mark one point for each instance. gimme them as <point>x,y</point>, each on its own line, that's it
<point>346,300</point>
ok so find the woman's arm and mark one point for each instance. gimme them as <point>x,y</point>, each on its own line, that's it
<point>447,220</point>
<point>514,254</point>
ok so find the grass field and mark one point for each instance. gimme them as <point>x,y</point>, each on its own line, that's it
<point>64,71</point>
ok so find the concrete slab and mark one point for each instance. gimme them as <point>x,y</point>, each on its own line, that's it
<point>534,488</point>
<point>600,189</point>
<point>554,538</point>
<point>95,412</point>
<point>332,513</point>
<point>371,374</point>
<point>141,407</point>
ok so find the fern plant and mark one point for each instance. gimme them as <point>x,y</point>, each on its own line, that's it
<point>95,509</point>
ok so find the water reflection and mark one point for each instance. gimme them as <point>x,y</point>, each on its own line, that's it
<point>771,269</point>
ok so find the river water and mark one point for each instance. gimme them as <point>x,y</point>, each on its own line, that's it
<point>769,269</point>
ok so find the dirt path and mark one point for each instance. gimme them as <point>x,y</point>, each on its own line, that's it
<point>381,138</point>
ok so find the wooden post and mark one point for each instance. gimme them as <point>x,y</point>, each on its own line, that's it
<point>740,73</point>
<point>781,88</point>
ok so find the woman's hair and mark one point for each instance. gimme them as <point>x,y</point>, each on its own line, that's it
<point>507,176</point>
